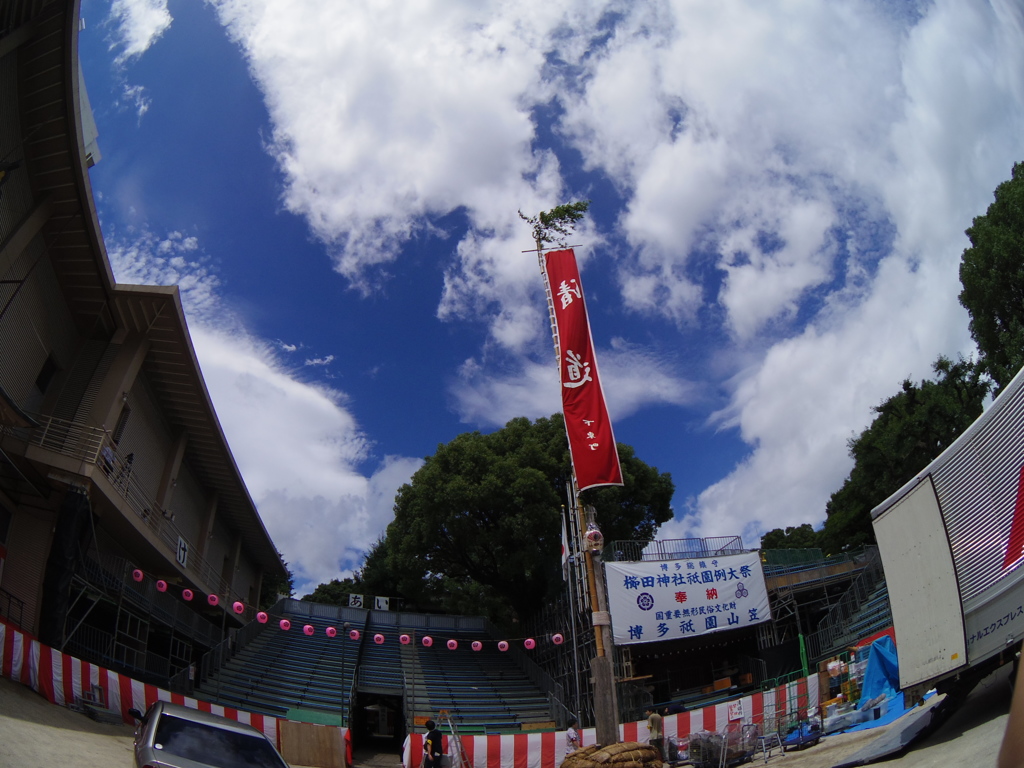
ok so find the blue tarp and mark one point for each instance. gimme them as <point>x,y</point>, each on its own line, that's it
<point>882,674</point>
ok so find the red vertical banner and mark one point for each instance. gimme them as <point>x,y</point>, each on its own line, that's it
<point>591,440</point>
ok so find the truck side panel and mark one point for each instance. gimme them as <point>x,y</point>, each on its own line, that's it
<point>978,495</point>
<point>923,591</point>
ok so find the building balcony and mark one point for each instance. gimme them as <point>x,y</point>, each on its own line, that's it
<point>74,452</point>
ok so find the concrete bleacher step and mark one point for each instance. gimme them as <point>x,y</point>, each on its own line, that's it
<point>280,672</point>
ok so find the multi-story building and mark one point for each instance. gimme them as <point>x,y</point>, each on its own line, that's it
<point>112,459</point>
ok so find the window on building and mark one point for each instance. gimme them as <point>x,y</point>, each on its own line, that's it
<point>46,374</point>
<point>5,524</point>
<point>122,423</point>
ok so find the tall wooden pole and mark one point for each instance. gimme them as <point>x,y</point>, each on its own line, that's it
<point>602,668</point>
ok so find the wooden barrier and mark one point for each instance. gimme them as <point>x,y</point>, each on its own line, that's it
<point>312,744</point>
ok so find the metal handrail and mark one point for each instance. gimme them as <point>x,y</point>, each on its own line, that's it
<point>68,438</point>
<point>775,569</point>
<point>8,603</point>
<point>834,630</point>
<point>561,714</point>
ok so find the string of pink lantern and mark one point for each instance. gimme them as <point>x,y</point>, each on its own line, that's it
<point>354,634</point>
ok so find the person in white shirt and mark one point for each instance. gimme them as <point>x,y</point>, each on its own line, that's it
<point>572,737</point>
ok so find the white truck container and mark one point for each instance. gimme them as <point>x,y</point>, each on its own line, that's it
<point>952,546</point>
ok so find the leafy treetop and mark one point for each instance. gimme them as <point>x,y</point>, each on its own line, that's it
<point>992,275</point>
<point>478,529</point>
<point>556,225</point>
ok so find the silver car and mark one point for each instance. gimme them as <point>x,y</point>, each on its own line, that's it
<point>172,736</point>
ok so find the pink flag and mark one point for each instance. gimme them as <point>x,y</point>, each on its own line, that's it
<point>591,440</point>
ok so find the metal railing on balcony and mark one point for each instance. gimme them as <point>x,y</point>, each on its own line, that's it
<point>673,549</point>
<point>12,608</point>
<point>68,438</point>
<point>86,443</point>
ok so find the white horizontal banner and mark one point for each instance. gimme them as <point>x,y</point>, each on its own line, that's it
<point>670,599</point>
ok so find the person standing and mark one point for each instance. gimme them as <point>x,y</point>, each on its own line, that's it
<point>654,725</point>
<point>432,751</point>
<point>572,737</point>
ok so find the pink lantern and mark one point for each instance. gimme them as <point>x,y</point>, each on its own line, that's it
<point>502,646</point>
<point>285,624</point>
<point>477,645</point>
<point>557,639</point>
<point>137,574</point>
<point>353,635</point>
<point>308,630</point>
<point>212,599</point>
<point>161,586</point>
<point>427,641</point>
<point>378,639</point>
<point>261,617</point>
<point>453,645</point>
<point>530,643</point>
<point>331,632</point>
<point>187,594</point>
<point>237,606</point>
<point>404,639</point>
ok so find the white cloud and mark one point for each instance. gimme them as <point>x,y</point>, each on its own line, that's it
<point>320,361</point>
<point>299,458</point>
<point>762,284</point>
<point>143,258</point>
<point>791,118</point>
<point>734,112</point>
<point>296,443</point>
<point>136,98</point>
<point>139,24</point>
<point>795,180</point>
<point>428,105</point>
<point>387,117</point>
<point>631,377</point>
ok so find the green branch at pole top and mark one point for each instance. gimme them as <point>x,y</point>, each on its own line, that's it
<point>556,225</point>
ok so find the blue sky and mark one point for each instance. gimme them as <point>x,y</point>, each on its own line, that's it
<point>779,194</point>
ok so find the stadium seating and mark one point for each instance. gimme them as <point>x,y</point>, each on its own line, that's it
<point>290,674</point>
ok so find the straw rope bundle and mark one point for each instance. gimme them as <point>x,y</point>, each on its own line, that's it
<point>630,754</point>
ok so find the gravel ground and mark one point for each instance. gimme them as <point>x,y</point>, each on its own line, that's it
<point>37,734</point>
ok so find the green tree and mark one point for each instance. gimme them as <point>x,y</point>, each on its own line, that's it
<point>794,537</point>
<point>334,592</point>
<point>909,430</point>
<point>992,275</point>
<point>273,585</point>
<point>478,529</point>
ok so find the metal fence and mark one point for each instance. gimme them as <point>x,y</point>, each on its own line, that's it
<point>673,549</point>
<point>785,557</point>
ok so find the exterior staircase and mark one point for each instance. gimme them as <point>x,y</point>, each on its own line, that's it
<point>861,612</point>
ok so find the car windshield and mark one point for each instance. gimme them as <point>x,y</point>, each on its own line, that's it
<point>214,746</point>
